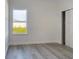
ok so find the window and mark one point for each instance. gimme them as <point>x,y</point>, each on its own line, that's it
<point>20,21</point>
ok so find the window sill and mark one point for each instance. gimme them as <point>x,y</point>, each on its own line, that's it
<point>20,33</point>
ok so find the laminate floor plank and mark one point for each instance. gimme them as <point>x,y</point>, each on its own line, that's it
<point>45,52</point>
<point>39,51</point>
<point>63,51</point>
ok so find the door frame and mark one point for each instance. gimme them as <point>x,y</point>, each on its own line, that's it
<point>63,26</point>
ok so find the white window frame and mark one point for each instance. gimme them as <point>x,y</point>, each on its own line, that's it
<point>20,22</point>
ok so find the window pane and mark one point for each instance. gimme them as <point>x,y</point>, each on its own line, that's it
<point>19,15</point>
<point>19,27</point>
<point>19,21</point>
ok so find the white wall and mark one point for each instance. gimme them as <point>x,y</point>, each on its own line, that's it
<point>64,4</point>
<point>43,24</point>
<point>6,26</point>
<point>2,29</point>
<point>44,20</point>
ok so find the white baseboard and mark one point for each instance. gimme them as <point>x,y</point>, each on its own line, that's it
<point>33,42</point>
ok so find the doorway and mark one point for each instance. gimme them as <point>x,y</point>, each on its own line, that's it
<point>67,27</point>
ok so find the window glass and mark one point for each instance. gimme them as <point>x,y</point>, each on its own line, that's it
<point>19,21</point>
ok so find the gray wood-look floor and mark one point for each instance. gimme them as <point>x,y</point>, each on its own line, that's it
<point>40,51</point>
